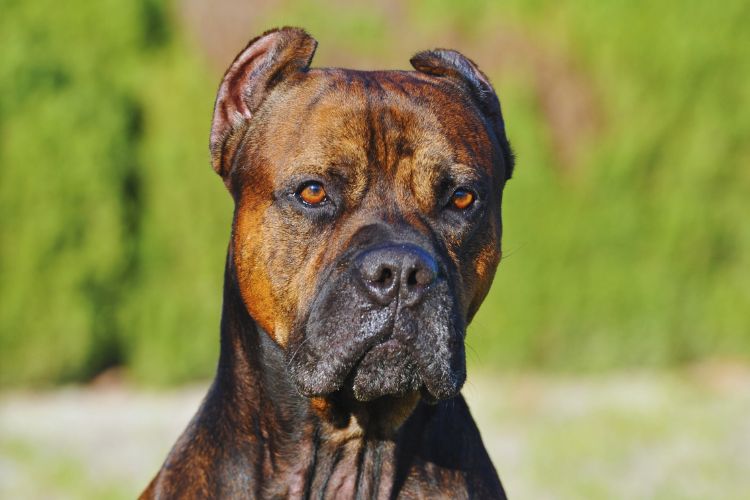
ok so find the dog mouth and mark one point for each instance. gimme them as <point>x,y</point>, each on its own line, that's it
<point>389,352</point>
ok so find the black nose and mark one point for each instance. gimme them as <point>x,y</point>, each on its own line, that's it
<point>403,271</point>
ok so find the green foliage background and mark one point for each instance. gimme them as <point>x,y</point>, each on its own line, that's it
<point>113,227</point>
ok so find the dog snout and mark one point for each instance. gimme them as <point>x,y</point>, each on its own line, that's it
<point>397,271</point>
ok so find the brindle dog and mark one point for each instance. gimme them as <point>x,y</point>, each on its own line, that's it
<point>366,234</point>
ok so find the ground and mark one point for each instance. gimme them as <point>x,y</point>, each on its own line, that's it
<point>667,435</point>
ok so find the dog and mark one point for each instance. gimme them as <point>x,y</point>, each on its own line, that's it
<point>366,234</point>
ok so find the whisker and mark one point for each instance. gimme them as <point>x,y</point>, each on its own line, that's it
<point>289,363</point>
<point>512,251</point>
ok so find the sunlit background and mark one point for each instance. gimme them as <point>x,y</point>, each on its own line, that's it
<point>610,359</point>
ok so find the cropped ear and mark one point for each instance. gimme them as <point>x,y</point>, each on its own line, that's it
<point>454,65</point>
<point>266,61</point>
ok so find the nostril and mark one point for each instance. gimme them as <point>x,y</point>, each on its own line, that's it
<point>381,282</point>
<point>411,280</point>
<point>386,275</point>
<point>419,276</point>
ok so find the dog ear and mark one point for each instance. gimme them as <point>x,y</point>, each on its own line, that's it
<point>266,61</point>
<point>454,65</point>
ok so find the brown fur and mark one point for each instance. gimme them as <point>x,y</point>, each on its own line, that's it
<point>390,140</point>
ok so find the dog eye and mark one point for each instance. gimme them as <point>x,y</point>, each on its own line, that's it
<point>462,198</point>
<point>312,194</point>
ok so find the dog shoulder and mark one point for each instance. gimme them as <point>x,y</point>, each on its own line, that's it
<point>206,461</point>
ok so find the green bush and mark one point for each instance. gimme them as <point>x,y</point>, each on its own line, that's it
<point>113,228</point>
<point>641,256</point>
<point>103,212</point>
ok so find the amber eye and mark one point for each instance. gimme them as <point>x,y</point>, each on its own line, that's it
<point>313,194</point>
<point>462,198</point>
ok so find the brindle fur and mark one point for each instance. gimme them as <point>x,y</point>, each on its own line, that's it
<point>319,393</point>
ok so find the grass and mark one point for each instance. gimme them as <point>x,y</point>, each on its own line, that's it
<point>667,435</point>
<point>636,435</point>
<point>32,472</point>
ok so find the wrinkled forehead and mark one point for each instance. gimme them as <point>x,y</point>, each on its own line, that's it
<point>377,119</point>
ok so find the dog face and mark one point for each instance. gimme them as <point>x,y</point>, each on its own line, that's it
<point>367,224</point>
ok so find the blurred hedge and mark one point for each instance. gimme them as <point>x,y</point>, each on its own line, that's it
<point>642,255</point>
<point>113,227</point>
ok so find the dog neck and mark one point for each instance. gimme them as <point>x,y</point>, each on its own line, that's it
<point>300,445</point>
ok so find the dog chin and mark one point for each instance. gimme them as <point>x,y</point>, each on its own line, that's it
<point>385,370</point>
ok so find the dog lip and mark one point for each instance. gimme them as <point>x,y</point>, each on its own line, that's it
<point>389,343</point>
<point>315,384</point>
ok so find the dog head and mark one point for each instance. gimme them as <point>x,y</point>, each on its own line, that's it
<point>367,220</point>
